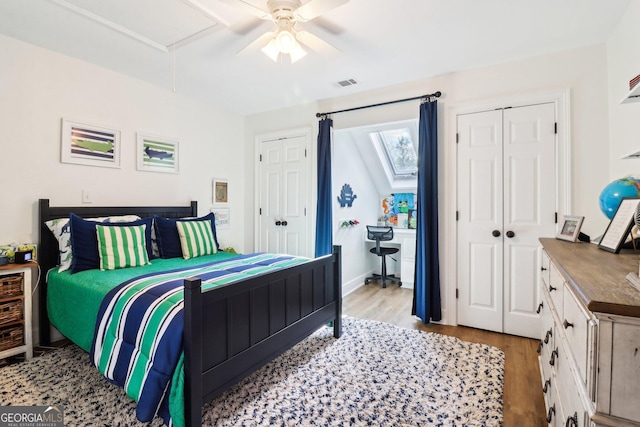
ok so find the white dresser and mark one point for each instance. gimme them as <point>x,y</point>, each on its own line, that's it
<point>590,338</point>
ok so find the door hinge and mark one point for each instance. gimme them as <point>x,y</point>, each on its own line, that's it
<point>457,138</point>
<point>456,293</point>
<point>260,211</point>
<point>260,157</point>
<point>305,152</point>
<point>305,211</point>
<point>555,128</point>
<point>556,219</point>
<point>457,215</point>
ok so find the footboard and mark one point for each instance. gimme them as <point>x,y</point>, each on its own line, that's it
<point>233,330</point>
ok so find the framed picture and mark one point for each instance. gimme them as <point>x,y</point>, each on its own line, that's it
<point>220,192</point>
<point>570,228</point>
<point>90,145</point>
<point>157,154</point>
<point>223,218</point>
<point>620,225</point>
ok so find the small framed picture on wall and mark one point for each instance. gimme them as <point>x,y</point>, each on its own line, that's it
<point>220,192</point>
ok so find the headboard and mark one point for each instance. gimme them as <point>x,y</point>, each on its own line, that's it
<point>48,245</point>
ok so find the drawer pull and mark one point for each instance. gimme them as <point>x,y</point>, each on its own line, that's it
<point>539,350</point>
<point>554,354</point>
<point>551,413</point>
<point>572,421</point>
<point>547,384</point>
<point>540,306</point>
<point>566,324</point>
<point>543,269</point>
<point>547,336</point>
<point>551,288</point>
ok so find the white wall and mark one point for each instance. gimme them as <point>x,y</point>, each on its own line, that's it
<point>623,59</point>
<point>348,168</point>
<point>39,87</point>
<point>583,71</point>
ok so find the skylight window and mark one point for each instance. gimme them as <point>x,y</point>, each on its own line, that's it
<point>400,151</point>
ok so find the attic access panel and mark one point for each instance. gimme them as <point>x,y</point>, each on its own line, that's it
<point>161,24</point>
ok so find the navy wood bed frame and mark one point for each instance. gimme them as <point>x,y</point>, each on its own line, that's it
<point>232,330</point>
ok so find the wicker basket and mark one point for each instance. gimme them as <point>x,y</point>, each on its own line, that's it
<point>10,311</point>
<point>11,337</point>
<point>10,285</point>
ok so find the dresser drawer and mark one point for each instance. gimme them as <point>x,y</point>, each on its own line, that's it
<point>575,323</point>
<point>544,268</point>
<point>555,288</point>
<point>548,332</point>
<point>573,410</point>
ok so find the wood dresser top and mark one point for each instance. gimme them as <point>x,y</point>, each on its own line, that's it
<point>598,277</point>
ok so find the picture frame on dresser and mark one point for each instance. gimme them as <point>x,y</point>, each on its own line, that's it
<point>570,228</point>
<point>620,225</point>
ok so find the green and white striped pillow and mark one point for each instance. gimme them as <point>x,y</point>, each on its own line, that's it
<point>196,238</point>
<point>121,247</point>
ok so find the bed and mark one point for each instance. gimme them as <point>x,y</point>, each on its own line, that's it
<point>230,330</point>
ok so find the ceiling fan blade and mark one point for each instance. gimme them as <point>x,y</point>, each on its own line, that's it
<point>316,8</point>
<point>252,9</point>
<point>258,43</point>
<point>317,44</point>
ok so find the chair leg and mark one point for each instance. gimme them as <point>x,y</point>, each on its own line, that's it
<point>384,271</point>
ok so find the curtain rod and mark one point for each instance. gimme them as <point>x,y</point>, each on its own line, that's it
<point>431,95</point>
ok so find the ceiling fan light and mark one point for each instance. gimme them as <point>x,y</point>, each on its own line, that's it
<point>271,50</point>
<point>297,52</point>
<point>285,41</point>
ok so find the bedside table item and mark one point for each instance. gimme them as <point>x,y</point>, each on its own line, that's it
<point>15,310</point>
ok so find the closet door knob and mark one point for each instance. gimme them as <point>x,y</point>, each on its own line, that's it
<point>278,222</point>
<point>510,234</point>
<point>495,233</point>
<point>284,223</point>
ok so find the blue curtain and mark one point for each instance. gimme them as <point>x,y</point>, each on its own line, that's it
<point>324,238</point>
<point>426,292</point>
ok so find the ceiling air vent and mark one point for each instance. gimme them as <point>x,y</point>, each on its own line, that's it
<point>345,83</point>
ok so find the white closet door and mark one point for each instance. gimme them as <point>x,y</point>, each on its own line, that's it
<point>529,210</point>
<point>283,199</point>
<point>506,201</point>
<point>480,217</point>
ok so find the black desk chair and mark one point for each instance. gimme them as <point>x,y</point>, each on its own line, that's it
<point>381,234</point>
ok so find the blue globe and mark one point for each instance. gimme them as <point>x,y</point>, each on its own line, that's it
<point>613,193</point>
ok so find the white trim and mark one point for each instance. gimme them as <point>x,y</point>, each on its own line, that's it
<point>561,99</point>
<point>195,4</point>
<point>309,191</point>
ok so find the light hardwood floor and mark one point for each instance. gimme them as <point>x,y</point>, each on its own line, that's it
<point>523,402</point>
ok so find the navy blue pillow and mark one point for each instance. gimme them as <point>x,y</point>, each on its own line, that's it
<point>168,238</point>
<point>84,241</point>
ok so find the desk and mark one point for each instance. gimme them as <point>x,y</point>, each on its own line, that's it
<point>406,238</point>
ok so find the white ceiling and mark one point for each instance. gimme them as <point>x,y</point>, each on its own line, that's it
<point>383,42</point>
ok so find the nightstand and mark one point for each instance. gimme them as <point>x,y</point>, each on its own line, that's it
<point>15,309</point>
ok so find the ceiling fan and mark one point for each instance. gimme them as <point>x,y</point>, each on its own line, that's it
<point>286,38</point>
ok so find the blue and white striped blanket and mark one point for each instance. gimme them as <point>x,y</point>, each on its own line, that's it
<point>138,337</point>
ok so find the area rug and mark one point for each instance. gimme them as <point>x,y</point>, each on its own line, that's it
<point>377,374</point>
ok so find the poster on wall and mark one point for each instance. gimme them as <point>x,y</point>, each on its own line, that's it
<point>223,218</point>
<point>89,145</point>
<point>157,154</point>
